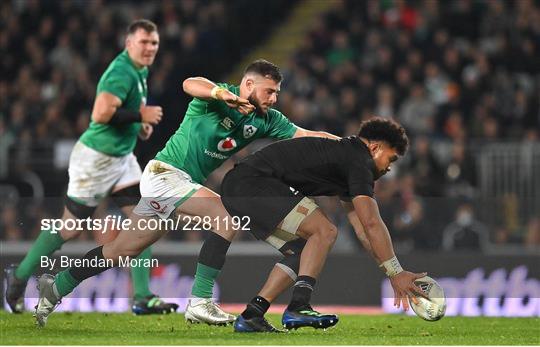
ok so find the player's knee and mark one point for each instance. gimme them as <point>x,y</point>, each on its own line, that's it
<point>122,250</point>
<point>129,252</point>
<point>68,235</point>
<point>128,196</point>
<point>76,213</point>
<point>77,209</point>
<point>290,264</point>
<point>328,233</point>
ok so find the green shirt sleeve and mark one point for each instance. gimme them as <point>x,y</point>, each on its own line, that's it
<point>279,126</point>
<point>116,82</point>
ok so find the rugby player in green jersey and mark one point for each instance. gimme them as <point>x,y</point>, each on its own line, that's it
<point>220,120</point>
<point>102,163</point>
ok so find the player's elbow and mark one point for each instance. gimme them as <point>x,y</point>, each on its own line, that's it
<point>188,84</point>
<point>371,226</point>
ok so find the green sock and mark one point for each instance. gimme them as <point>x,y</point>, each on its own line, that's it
<point>65,283</point>
<point>204,281</point>
<point>45,245</point>
<point>140,276</point>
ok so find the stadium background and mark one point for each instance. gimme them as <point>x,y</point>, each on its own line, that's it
<point>462,76</point>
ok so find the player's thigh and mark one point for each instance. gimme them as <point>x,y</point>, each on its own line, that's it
<point>316,222</point>
<point>142,232</point>
<point>288,237</point>
<point>264,201</point>
<point>75,217</point>
<point>127,198</point>
<point>163,188</point>
<point>166,189</point>
<point>207,204</point>
<point>65,233</point>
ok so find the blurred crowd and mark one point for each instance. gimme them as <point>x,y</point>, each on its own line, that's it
<point>457,74</point>
<point>53,53</point>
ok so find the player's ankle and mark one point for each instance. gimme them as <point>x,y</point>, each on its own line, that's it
<point>196,300</point>
<point>257,307</point>
<point>302,293</point>
<point>298,306</point>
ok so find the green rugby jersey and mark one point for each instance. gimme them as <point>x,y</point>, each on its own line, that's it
<point>211,132</point>
<point>123,79</point>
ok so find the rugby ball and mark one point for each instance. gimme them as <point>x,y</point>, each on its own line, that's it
<point>433,308</point>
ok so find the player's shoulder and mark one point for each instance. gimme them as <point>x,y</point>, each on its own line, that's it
<point>121,65</point>
<point>273,114</point>
<point>119,72</point>
<point>354,146</point>
<point>121,68</point>
<point>354,142</point>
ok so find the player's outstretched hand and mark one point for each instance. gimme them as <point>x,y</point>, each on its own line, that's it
<point>146,131</point>
<point>404,287</point>
<point>234,101</point>
<point>151,114</point>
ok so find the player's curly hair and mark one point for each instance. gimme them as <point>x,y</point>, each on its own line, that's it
<point>264,68</point>
<point>380,129</point>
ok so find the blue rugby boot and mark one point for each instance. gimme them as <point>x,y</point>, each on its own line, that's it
<point>307,317</point>
<point>254,325</point>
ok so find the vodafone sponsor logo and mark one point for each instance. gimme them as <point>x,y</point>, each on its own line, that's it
<point>215,155</point>
<point>227,144</point>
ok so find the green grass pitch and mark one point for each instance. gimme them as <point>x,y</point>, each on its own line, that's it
<point>126,329</point>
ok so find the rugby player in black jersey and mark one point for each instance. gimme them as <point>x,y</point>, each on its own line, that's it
<point>272,186</point>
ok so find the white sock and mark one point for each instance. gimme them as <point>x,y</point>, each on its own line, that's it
<point>196,301</point>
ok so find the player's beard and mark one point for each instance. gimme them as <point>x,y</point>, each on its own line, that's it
<point>379,173</point>
<point>253,100</point>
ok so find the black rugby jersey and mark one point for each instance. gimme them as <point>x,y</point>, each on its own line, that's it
<point>319,166</point>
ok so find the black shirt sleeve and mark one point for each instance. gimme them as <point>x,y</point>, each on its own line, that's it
<point>360,181</point>
<point>360,176</point>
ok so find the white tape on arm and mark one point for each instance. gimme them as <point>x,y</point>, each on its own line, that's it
<point>214,92</point>
<point>391,267</point>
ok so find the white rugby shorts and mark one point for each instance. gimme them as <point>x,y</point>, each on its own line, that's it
<point>94,175</point>
<point>163,188</point>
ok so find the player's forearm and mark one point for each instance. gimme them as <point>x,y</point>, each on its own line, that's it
<point>199,87</point>
<point>358,228</point>
<point>105,107</point>
<point>361,234</point>
<point>380,242</point>
<point>309,133</point>
<point>326,135</point>
<point>376,232</point>
<point>103,117</point>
